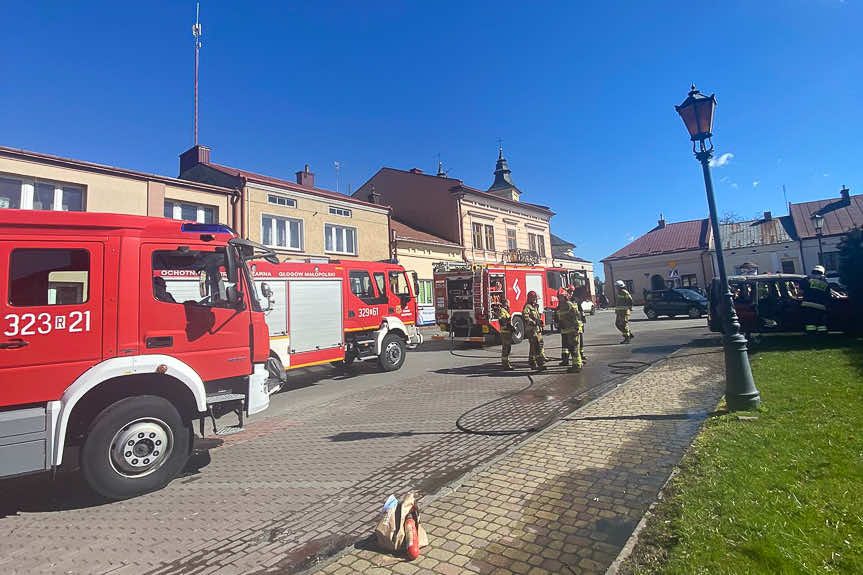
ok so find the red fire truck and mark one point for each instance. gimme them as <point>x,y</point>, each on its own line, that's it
<point>467,296</point>
<point>99,359</point>
<point>355,310</point>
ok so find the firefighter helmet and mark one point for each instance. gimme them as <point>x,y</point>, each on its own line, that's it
<point>818,270</point>
<point>531,296</point>
<point>562,293</point>
<point>620,284</point>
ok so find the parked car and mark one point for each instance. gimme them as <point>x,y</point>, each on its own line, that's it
<point>770,303</point>
<point>673,302</point>
<point>587,307</point>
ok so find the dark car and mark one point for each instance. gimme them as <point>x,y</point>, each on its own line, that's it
<point>770,303</point>
<point>676,301</point>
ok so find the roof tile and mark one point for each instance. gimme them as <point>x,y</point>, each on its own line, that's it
<point>674,237</point>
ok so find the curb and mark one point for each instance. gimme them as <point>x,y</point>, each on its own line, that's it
<point>630,544</point>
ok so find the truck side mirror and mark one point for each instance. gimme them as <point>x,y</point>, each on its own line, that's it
<point>267,292</point>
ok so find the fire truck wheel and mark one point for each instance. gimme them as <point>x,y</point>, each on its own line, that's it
<point>135,445</point>
<point>517,329</point>
<point>392,352</point>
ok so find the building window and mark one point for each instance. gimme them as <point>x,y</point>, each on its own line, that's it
<point>788,267</point>
<point>831,261</point>
<point>536,242</point>
<point>511,242</point>
<point>39,277</point>
<point>191,212</point>
<point>344,212</point>
<point>28,194</point>
<point>629,286</point>
<point>282,201</point>
<point>340,240</point>
<point>489,238</point>
<point>424,297</point>
<point>688,280</point>
<point>477,236</point>
<point>282,232</point>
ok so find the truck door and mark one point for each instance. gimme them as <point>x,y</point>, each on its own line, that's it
<point>364,303</point>
<point>50,316</point>
<point>198,326</point>
<point>402,297</point>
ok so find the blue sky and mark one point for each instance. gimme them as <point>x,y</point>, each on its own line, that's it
<point>581,93</point>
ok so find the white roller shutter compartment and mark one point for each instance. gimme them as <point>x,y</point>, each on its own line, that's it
<point>315,315</point>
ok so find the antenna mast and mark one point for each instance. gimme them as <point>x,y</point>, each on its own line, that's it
<point>196,33</point>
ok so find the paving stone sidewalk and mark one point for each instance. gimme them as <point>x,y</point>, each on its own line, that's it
<point>567,500</point>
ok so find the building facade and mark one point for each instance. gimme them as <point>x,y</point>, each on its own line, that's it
<point>417,251</point>
<point>671,254</point>
<point>490,226</point>
<point>35,181</point>
<point>767,245</point>
<point>297,219</point>
<point>563,257</point>
<point>841,215</point>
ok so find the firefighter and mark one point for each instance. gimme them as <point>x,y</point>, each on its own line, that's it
<point>622,311</point>
<point>505,319</point>
<point>533,331</point>
<point>816,294</point>
<point>570,323</point>
<point>576,297</point>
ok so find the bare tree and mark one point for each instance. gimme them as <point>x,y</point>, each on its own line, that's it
<point>730,218</point>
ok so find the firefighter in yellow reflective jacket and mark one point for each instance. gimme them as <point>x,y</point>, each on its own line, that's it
<point>533,331</point>
<point>814,306</point>
<point>622,311</point>
<point>569,319</point>
<point>505,319</point>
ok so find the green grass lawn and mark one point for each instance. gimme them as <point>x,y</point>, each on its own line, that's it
<point>780,494</point>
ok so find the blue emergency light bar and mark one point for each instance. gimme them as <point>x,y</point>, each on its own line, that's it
<point>206,228</point>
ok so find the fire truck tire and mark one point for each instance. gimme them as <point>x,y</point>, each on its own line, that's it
<point>517,329</point>
<point>135,445</point>
<point>392,352</point>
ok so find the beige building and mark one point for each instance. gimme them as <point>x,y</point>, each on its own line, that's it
<point>297,219</point>
<point>34,181</point>
<point>417,251</point>
<point>491,226</point>
<point>562,253</point>
<point>671,254</point>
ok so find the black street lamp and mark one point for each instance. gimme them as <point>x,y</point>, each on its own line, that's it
<point>740,391</point>
<point>818,222</point>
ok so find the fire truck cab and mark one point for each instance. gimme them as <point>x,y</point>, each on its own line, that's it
<point>101,359</point>
<point>355,310</point>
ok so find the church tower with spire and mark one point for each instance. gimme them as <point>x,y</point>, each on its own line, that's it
<point>502,185</point>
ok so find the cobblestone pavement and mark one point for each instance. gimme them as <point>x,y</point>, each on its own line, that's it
<point>306,479</point>
<point>567,500</point>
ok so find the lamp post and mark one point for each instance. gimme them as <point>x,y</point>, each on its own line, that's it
<point>740,391</point>
<point>818,222</point>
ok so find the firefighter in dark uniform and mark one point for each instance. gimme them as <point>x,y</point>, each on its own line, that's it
<point>622,311</point>
<point>505,319</point>
<point>569,320</point>
<point>576,297</point>
<point>533,331</point>
<point>816,295</point>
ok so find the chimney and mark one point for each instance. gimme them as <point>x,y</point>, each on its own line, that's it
<point>846,194</point>
<point>415,171</point>
<point>194,156</point>
<point>374,196</point>
<point>306,178</point>
<point>661,221</point>
<point>768,216</point>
